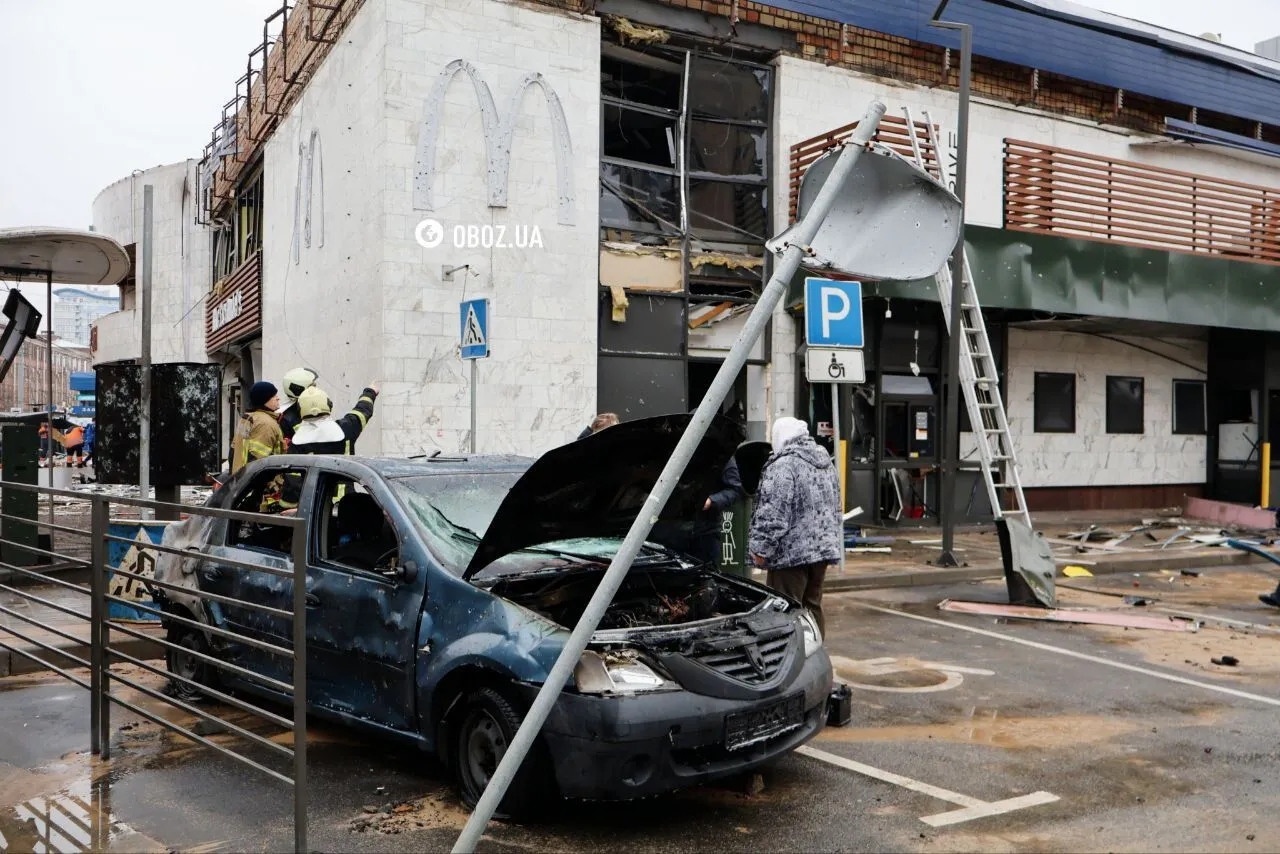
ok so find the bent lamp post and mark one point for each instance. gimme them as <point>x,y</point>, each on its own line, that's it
<point>832,217</point>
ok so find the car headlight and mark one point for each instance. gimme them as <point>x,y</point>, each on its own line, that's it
<point>812,635</point>
<point>620,672</point>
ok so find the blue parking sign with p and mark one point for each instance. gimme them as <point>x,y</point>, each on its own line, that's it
<point>832,313</point>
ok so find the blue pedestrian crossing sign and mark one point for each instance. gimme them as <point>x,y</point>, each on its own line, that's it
<point>832,313</point>
<point>474,317</point>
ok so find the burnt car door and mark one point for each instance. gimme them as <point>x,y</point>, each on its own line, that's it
<point>363,603</point>
<point>268,546</point>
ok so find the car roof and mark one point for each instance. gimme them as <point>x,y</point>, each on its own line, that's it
<point>400,468</point>
<point>443,464</point>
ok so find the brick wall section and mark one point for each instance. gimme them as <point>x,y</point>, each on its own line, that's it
<point>910,61</point>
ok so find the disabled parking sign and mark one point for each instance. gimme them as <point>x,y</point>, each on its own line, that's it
<point>832,313</point>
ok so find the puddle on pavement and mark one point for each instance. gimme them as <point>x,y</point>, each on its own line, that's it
<point>76,817</point>
<point>990,727</point>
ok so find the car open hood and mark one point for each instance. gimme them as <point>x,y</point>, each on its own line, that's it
<point>596,486</point>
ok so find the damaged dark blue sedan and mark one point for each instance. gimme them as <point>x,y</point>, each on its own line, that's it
<point>441,591</point>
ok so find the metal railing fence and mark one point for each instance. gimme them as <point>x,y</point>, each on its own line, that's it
<point>37,638</point>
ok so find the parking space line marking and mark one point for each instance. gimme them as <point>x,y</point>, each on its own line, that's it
<point>890,777</point>
<point>1168,677</point>
<point>1034,799</point>
<point>972,808</point>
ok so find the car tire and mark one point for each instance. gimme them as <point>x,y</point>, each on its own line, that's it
<point>189,666</point>
<point>486,724</point>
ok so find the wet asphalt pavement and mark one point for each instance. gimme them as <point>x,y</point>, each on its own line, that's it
<point>1168,753</point>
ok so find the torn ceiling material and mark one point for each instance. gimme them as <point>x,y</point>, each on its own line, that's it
<point>629,33</point>
<point>640,268</point>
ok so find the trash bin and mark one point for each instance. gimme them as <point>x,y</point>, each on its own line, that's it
<point>735,522</point>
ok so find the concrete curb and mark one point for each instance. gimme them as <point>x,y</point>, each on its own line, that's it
<point>926,576</point>
<point>15,664</point>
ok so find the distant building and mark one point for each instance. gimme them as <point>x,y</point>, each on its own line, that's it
<point>25,389</point>
<point>75,310</point>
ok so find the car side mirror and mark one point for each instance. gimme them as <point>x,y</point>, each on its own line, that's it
<point>406,571</point>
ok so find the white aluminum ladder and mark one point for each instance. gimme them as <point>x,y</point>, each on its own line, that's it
<point>979,377</point>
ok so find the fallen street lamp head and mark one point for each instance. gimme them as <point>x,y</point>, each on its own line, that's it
<point>891,221</point>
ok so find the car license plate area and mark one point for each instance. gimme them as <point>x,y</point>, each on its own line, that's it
<point>755,725</point>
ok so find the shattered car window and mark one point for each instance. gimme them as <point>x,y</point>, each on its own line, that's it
<point>454,511</point>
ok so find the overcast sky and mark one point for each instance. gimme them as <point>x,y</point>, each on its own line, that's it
<point>91,91</point>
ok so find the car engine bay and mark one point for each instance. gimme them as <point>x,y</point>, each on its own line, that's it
<point>646,598</point>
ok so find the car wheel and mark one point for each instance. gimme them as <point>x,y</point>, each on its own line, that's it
<point>181,662</point>
<point>487,724</point>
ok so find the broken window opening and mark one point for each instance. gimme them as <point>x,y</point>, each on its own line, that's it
<point>642,199</point>
<point>224,251</point>
<point>722,89</point>
<point>746,291</point>
<point>652,78</point>
<point>725,210</point>
<point>639,136</point>
<point>723,148</point>
<point>249,216</point>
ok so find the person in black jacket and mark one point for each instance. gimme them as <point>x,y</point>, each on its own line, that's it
<point>706,526</point>
<point>320,432</point>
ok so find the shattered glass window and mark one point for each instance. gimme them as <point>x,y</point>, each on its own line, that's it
<point>722,89</point>
<point>639,136</point>
<point>649,77</point>
<point>639,199</point>
<point>453,511</point>
<point>720,148</point>
<point>720,210</point>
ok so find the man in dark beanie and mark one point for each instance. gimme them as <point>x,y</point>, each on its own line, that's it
<point>258,434</point>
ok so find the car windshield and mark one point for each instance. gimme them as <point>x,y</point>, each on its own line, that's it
<point>453,511</point>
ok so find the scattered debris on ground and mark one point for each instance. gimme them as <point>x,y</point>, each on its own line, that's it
<point>1062,615</point>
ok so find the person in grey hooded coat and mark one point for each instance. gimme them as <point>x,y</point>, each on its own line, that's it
<point>795,529</point>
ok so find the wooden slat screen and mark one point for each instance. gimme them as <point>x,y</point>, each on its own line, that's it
<point>246,281</point>
<point>1077,194</point>
<point>892,133</point>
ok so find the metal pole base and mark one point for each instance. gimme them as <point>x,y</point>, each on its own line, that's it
<point>947,559</point>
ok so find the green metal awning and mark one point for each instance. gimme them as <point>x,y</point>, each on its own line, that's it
<point>1023,270</point>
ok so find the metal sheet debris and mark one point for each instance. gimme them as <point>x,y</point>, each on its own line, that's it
<point>1063,615</point>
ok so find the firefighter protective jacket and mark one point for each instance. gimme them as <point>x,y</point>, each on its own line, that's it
<point>334,435</point>
<point>257,435</point>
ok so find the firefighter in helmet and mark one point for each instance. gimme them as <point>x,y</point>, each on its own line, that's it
<point>320,432</point>
<point>295,383</point>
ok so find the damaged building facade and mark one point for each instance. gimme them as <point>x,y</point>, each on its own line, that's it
<point>606,174</point>
<point>180,271</point>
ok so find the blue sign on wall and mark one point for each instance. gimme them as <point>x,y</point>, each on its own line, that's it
<point>474,328</point>
<point>832,313</point>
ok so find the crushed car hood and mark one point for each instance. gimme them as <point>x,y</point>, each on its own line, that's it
<point>596,486</point>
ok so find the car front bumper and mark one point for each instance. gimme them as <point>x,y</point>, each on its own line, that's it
<point>618,748</point>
